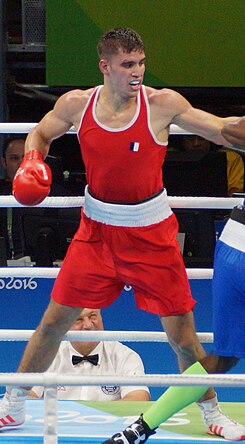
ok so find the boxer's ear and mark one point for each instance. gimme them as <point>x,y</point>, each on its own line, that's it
<point>103,65</point>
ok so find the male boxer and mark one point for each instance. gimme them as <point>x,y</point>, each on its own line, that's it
<point>127,231</point>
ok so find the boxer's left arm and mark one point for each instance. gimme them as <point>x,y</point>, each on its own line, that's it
<point>227,131</point>
<point>234,133</point>
<point>204,124</point>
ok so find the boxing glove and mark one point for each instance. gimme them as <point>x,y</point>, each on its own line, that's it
<point>32,180</point>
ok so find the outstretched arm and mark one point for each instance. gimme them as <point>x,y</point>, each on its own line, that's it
<point>228,131</point>
<point>204,124</point>
<point>234,133</point>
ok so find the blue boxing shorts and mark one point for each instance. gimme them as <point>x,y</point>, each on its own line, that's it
<point>229,288</point>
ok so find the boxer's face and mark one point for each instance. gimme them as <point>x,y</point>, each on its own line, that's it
<point>124,72</point>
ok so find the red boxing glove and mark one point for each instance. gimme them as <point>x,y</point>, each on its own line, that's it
<point>32,180</point>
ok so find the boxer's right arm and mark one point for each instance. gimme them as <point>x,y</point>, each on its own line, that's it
<point>53,125</point>
<point>33,179</point>
<point>65,114</point>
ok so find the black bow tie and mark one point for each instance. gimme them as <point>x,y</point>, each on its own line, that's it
<point>93,359</point>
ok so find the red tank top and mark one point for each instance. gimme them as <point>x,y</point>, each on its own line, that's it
<point>122,164</point>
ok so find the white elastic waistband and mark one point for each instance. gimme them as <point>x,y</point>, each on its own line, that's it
<point>233,235</point>
<point>136,215</point>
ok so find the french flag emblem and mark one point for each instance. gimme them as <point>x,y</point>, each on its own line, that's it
<point>134,146</point>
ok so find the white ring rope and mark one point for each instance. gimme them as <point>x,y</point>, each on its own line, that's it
<point>83,336</point>
<point>217,203</point>
<point>48,202</point>
<point>31,272</point>
<point>13,128</point>
<point>52,272</point>
<point>54,379</point>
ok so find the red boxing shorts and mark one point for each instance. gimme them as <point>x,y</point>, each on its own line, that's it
<point>102,258</point>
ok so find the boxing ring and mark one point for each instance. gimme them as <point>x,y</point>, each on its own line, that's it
<point>50,421</point>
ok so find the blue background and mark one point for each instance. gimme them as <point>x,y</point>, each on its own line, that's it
<point>22,309</point>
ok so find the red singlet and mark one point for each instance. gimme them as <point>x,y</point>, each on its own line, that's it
<point>122,244</point>
<point>122,164</point>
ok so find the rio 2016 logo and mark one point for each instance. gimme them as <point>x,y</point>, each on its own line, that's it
<point>13,283</point>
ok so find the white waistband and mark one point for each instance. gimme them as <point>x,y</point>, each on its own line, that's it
<point>136,215</point>
<point>233,235</point>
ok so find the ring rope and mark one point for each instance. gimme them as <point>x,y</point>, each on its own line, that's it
<point>52,272</point>
<point>217,203</point>
<point>48,202</point>
<point>53,380</point>
<point>123,336</point>
<point>37,272</point>
<point>23,128</point>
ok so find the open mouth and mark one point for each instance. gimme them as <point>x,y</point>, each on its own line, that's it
<point>134,83</point>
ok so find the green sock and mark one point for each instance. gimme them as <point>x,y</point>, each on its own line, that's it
<point>175,399</point>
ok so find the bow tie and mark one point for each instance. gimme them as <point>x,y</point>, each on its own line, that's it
<point>93,359</point>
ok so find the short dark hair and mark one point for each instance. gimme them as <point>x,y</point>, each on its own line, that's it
<point>119,38</point>
<point>10,139</point>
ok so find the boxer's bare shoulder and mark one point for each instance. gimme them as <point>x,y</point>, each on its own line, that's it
<point>165,104</point>
<point>74,99</point>
<point>167,100</point>
<point>71,105</point>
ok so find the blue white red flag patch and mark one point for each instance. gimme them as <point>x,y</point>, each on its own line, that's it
<point>134,146</point>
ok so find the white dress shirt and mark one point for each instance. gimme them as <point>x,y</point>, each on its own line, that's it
<point>114,359</point>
